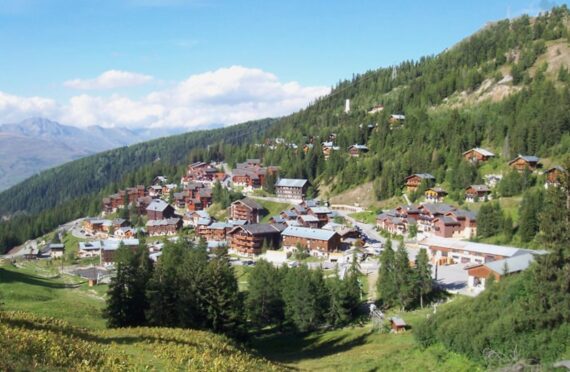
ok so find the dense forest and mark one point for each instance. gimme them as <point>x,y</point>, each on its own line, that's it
<point>533,119</point>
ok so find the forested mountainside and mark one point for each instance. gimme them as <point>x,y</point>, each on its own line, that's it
<point>505,88</point>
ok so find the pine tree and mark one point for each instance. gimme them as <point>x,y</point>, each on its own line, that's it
<point>386,285</point>
<point>530,208</point>
<point>223,302</point>
<point>126,303</point>
<point>423,279</point>
<point>264,303</point>
<point>403,278</point>
<point>339,311</point>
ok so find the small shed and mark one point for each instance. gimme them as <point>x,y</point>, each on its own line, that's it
<point>397,324</point>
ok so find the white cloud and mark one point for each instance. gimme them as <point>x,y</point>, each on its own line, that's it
<point>224,96</point>
<point>110,80</point>
<point>14,108</point>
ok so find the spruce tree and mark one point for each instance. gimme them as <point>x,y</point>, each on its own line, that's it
<point>386,285</point>
<point>423,279</point>
<point>264,303</point>
<point>403,278</point>
<point>223,303</point>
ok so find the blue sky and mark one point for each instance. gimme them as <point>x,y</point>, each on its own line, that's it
<point>57,50</point>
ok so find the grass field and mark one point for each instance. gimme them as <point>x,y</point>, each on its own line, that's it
<point>37,289</point>
<point>273,208</point>
<point>367,216</point>
<point>44,292</point>
<point>359,348</point>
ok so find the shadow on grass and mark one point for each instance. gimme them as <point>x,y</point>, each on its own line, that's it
<point>289,348</point>
<point>8,276</point>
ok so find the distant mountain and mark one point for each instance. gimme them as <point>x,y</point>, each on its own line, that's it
<point>35,144</point>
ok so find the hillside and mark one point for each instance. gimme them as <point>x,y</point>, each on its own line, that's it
<point>36,144</point>
<point>30,342</point>
<point>533,119</point>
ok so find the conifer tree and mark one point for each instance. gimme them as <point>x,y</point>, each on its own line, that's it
<point>223,302</point>
<point>264,303</point>
<point>386,285</point>
<point>403,278</point>
<point>423,279</point>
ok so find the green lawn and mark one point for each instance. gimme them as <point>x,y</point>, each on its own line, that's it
<point>360,348</point>
<point>41,290</point>
<point>367,216</point>
<point>273,208</point>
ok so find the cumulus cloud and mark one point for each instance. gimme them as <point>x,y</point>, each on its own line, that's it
<point>224,96</point>
<point>110,80</point>
<point>14,108</point>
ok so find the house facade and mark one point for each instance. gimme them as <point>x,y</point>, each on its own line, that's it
<point>317,241</point>
<point>475,193</point>
<point>246,209</point>
<point>289,188</point>
<point>250,239</point>
<point>525,162</point>
<point>478,155</point>
<point>414,181</point>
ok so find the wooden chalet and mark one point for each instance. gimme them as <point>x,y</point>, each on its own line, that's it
<point>355,150</point>
<point>321,213</point>
<point>289,188</point>
<point>216,231</point>
<point>249,239</point>
<point>435,195</point>
<point>478,155</point>
<point>554,176</point>
<point>246,209</point>
<point>317,241</point>
<point>328,148</point>
<point>476,193</point>
<point>158,209</point>
<point>414,181</point>
<point>525,162</point>
<point>308,220</point>
<point>167,226</point>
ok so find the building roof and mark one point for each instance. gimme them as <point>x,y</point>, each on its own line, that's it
<point>309,218</point>
<point>399,322</point>
<point>157,205</point>
<point>438,190</point>
<point>202,214</point>
<point>307,233</point>
<point>320,210</point>
<point>513,264</point>
<point>163,222</point>
<point>475,247</point>
<point>220,226</point>
<point>554,168</point>
<point>358,147</point>
<point>291,182</point>
<point>263,228</point>
<point>91,273</point>
<point>56,246</point>
<point>398,116</point>
<point>527,158</point>
<point>479,188</point>
<point>424,176</point>
<point>249,203</point>
<point>481,151</point>
<point>437,208</point>
<point>278,219</point>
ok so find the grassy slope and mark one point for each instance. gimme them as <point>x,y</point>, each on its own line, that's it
<point>273,208</point>
<point>352,348</point>
<point>30,342</point>
<point>360,348</point>
<point>42,291</point>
